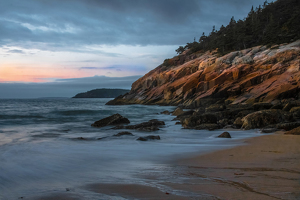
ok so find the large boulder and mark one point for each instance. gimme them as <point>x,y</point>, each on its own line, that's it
<point>295,131</point>
<point>196,120</point>
<point>264,118</point>
<point>112,120</point>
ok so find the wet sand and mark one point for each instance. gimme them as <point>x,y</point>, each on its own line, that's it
<point>266,167</point>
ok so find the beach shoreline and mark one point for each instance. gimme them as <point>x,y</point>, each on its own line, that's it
<point>266,167</point>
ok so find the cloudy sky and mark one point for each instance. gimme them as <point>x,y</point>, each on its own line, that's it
<point>47,43</point>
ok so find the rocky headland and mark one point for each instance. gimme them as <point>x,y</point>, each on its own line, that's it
<point>101,93</point>
<point>257,87</point>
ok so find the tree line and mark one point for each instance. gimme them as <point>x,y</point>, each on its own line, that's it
<point>271,23</point>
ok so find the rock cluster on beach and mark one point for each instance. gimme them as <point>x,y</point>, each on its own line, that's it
<point>253,88</point>
<point>117,120</point>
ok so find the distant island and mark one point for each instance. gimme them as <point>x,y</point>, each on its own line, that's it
<point>102,93</point>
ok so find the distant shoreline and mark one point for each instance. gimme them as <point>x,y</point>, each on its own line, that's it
<point>102,93</point>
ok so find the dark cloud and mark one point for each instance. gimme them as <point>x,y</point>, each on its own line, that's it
<point>118,68</point>
<point>63,87</point>
<point>71,24</point>
<point>16,51</point>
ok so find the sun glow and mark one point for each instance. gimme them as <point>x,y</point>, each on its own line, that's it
<point>37,74</point>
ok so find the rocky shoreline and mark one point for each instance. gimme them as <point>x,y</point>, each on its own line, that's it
<point>265,116</point>
<point>256,88</point>
<point>268,117</point>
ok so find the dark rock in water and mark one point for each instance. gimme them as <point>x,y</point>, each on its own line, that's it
<point>112,120</point>
<point>84,139</point>
<point>225,135</point>
<point>166,112</point>
<point>123,133</point>
<point>177,123</point>
<point>150,137</point>
<point>264,118</point>
<point>151,125</point>
<point>295,131</point>
<point>209,127</point>
<point>288,126</point>
<point>102,138</point>
<point>269,130</point>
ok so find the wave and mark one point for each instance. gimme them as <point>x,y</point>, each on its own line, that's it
<point>79,112</point>
<point>21,116</point>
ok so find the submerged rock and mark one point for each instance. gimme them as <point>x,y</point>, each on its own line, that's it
<point>149,137</point>
<point>166,112</point>
<point>123,133</point>
<point>112,120</point>
<point>83,139</point>
<point>224,135</point>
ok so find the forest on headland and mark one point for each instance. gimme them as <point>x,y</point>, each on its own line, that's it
<point>271,23</point>
<point>101,93</point>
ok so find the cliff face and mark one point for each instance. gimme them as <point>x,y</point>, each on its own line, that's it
<point>258,74</point>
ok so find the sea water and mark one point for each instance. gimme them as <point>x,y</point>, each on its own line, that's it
<point>40,152</point>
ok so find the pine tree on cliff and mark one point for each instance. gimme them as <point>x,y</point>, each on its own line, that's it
<point>271,23</point>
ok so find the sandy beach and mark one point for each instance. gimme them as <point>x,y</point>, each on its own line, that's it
<point>266,167</point>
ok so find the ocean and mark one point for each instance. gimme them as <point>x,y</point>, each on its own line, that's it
<point>40,153</point>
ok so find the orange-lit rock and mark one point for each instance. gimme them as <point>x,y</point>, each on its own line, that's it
<point>252,75</point>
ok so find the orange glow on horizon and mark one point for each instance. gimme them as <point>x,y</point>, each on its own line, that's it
<point>38,74</point>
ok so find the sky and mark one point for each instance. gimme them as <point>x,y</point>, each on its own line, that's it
<point>79,45</point>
